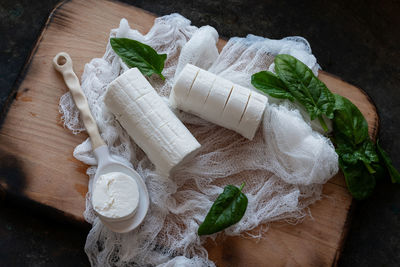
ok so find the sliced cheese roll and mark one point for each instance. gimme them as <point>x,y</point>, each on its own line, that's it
<point>149,122</point>
<point>218,100</point>
<point>235,107</point>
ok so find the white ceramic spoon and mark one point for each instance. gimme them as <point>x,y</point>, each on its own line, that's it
<point>62,62</point>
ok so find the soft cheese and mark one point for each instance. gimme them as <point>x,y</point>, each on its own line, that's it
<point>235,107</point>
<point>200,90</point>
<point>183,84</point>
<point>252,116</point>
<point>218,100</point>
<point>149,121</point>
<point>115,195</point>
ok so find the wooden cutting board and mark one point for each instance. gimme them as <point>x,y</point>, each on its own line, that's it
<point>36,150</point>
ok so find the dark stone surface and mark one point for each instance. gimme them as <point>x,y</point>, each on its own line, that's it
<point>30,237</point>
<point>356,40</point>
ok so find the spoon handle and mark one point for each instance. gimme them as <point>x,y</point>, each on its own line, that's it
<point>62,62</point>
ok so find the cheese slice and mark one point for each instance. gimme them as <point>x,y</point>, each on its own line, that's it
<point>252,116</point>
<point>199,92</point>
<point>235,107</point>
<point>216,100</point>
<point>149,121</point>
<point>183,84</point>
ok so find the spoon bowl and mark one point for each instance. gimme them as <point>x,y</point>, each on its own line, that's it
<point>107,164</point>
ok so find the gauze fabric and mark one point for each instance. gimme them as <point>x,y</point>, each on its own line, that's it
<point>283,174</point>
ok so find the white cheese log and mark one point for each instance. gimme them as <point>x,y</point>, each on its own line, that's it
<point>218,100</point>
<point>149,121</point>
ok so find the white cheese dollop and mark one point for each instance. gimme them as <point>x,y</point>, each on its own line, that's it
<point>115,195</point>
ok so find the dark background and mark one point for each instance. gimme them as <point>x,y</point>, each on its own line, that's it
<point>356,40</point>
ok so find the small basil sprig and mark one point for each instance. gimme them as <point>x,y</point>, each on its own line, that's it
<point>358,158</point>
<point>138,55</point>
<point>361,161</point>
<point>351,137</point>
<point>294,80</point>
<point>227,210</point>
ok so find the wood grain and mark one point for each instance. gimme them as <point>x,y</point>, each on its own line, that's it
<point>33,134</point>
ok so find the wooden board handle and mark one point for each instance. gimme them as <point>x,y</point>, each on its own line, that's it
<point>62,62</point>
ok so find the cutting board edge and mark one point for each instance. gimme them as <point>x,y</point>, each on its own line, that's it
<point>373,134</point>
<point>345,231</point>
<point>27,64</point>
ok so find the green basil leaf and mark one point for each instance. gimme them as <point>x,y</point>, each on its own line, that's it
<point>369,150</point>
<point>227,210</point>
<point>138,55</point>
<point>360,182</point>
<point>270,84</point>
<point>349,121</point>
<point>351,153</point>
<point>393,172</point>
<point>305,87</point>
<point>345,151</point>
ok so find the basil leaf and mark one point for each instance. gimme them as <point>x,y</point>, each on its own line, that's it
<point>369,150</point>
<point>360,182</point>
<point>305,87</point>
<point>351,154</point>
<point>227,210</point>
<point>270,84</point>
<point>394,174</point>
<point>349,121</point>
<point>138,55</point>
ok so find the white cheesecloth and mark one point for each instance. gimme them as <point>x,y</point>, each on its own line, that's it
<point>284,166</point>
